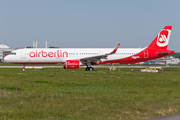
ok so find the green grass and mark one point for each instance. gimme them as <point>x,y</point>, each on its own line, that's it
<point>56,93</point>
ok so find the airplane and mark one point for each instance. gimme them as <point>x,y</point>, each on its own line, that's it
<point>73,58</point>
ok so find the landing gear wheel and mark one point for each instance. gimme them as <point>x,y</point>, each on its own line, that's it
<point>89,69</point>
<point>24,67</point>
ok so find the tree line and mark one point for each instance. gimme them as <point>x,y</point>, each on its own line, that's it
<point>176,55</point>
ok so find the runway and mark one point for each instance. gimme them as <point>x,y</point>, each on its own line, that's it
<point>98,66</point>
<point>168,117</point>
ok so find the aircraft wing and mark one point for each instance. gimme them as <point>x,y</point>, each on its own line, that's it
<point>99,57</point>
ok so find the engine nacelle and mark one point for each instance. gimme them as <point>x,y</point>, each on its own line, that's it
<point>71,64</point>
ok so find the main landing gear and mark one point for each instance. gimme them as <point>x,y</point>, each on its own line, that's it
<point>89,68</point>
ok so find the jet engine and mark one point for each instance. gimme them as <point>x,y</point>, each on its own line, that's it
<point>72,64</point>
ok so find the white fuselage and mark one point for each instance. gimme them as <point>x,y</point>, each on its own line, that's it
<point>51,55</point>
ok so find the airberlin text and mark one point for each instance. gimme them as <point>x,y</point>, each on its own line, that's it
<point>58,53</point>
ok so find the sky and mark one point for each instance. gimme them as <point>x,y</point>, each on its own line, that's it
<point>88,23</point>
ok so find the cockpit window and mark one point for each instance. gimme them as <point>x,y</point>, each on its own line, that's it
<point>12,53</point>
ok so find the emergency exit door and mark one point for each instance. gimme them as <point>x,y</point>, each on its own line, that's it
<point>145,53</point>
<point>23,54</point>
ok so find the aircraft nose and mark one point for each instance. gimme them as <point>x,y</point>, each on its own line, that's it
<point>6,59</point>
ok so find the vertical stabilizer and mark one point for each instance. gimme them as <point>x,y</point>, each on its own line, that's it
<point>162,39</point>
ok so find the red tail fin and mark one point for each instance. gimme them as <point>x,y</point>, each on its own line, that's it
<point>162,39</point>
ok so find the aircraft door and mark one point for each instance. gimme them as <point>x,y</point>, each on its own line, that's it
<point>23,54</point>
<point>145,53</point>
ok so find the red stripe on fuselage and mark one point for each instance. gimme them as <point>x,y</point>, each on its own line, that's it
<point>140,57</point>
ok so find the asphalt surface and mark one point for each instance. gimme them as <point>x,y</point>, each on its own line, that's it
<point>80,67</point>
<point>98,66</point>
<point>168,117</point>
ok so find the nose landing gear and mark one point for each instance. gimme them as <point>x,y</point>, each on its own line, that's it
<point>24,67</point>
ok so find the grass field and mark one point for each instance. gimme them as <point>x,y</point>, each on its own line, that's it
<point>56,93</point>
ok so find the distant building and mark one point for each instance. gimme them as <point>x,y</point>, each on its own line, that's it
<point>169,60</point>
<point>4,50</point>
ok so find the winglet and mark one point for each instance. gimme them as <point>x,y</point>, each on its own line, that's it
<point>115,49</point>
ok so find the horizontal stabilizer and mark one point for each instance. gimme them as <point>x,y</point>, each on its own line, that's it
<point>166,52</point>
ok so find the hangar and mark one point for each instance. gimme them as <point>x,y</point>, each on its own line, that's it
<point>4,50</point>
